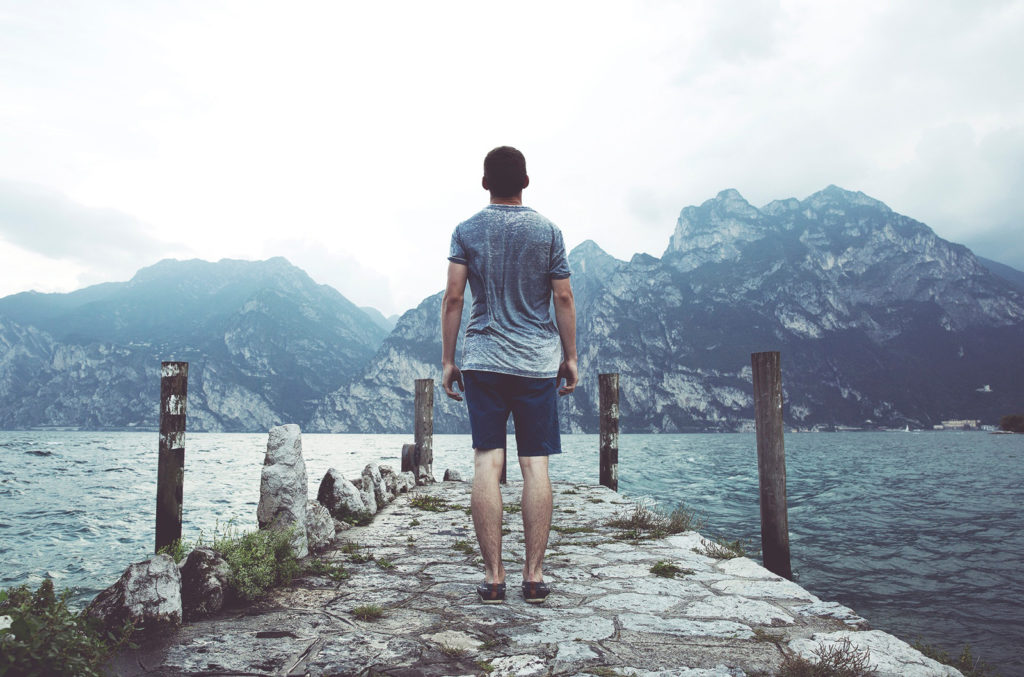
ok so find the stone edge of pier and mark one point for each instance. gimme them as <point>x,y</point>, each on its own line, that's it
<point>608,613</point>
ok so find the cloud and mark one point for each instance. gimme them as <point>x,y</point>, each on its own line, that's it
<point>359,283</point>
<point>46,222</point>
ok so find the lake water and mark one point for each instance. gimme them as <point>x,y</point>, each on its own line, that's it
<point>920,533</point>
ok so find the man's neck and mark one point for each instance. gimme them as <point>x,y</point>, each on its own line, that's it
<point>513,200</point>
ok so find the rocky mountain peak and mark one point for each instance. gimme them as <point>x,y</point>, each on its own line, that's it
<point>834,196</point>
<point>715,231</point>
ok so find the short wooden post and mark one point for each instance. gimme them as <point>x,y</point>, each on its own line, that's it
<point>608,387</point>
<point>409,458</point>
<point>424,427</point>
<point>771,462</point>
<point>170,472</point>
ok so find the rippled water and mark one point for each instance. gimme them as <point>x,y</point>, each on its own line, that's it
<point>919,533</point>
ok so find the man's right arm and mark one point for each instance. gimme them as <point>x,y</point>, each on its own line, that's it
<point>565,318</point>
<point>451,318</point>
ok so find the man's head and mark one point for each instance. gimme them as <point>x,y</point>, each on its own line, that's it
<point>505,172</point>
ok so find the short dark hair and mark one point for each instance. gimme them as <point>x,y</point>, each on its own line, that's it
<point>505,171</point>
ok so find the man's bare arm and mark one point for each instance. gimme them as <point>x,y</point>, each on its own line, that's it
<point>451,318</point>
<point>565,318</point>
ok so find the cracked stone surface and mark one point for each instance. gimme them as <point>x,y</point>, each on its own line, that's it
<point>607,614</point>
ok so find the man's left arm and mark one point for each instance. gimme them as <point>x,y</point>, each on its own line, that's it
<point>451,319</point>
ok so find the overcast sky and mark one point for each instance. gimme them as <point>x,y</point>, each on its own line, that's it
<point>349,137</point>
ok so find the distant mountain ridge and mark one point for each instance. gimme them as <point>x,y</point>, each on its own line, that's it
<point>265,342</point>
<point>879,321</point>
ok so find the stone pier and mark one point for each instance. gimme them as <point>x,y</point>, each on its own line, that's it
<point>608,613</point>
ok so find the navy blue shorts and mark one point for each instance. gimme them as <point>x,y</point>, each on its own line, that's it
<point>533,403</point>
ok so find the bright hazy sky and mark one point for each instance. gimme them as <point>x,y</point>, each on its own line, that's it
<point>349,137</point>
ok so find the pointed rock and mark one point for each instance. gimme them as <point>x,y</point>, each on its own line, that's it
<point>283,486</point>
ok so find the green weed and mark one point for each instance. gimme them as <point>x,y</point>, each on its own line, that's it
<point>965,663</point>
<point>45,638</point>
<point>669,570</point>
<point>368,612</point>
<point>464,547</point>
<point>572,530</point>
<point>430,503</point>
<point>720,548</point>
<point>321,567</point>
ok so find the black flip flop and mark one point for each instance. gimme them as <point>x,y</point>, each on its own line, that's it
<point>491,593</point>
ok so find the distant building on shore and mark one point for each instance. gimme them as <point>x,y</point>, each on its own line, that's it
<point>959,424</point>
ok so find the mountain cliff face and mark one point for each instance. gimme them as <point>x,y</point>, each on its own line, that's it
<point>879,321</point>
<point>264,343</point>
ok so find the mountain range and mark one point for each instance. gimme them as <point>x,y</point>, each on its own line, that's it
<point>880,322</point>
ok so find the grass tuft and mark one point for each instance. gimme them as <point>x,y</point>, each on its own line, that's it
<point>320,567</point>
<point>642,522</point>
<point>453,651</point>
<point>719,548</point>
<point>572,530</point>
<point>965,663</point>
<point>512,509</point>
<point>430,503</point>
<point>368,612</point>
<point>464,547</point>
<point>838,660</point>
<point>669,570</point>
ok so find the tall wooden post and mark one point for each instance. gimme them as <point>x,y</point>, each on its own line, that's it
<point>608,386</point>
<point>771,462</point>
<point>170,472</point>
<point>424,427</point>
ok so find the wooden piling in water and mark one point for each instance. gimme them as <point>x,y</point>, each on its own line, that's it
<point>608,388</point>
<point>424,426</point>
<point>170,472</point>
<point>771,462</point>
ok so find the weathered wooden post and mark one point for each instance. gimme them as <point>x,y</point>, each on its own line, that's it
<point>771,462</point>
<point>608,387</point>
<point>409,458</point>
<point>170,472</point>
<point>424,427</point>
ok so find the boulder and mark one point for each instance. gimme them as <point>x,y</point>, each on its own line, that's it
<point>373,478</point>
<point>390,479</point>
<point>148,594</point>
<point>452,475</point>
<point>341,497</point>
<point>283,486</point>
<point>340,526</point>
<point>204,583</point>
<point>369,498</point>
<point>319,527</point>
<point>409,480</point>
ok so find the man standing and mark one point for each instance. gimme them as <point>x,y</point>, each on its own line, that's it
<point>513,358</point>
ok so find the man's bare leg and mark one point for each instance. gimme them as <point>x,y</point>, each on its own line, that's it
<point>536,507</point>
<point>486,507</point>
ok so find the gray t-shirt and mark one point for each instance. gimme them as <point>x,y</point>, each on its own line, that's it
<point>512,253</point>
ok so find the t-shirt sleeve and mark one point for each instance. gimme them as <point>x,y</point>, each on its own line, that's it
<point>457,253</point>
<point>559,262</point>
